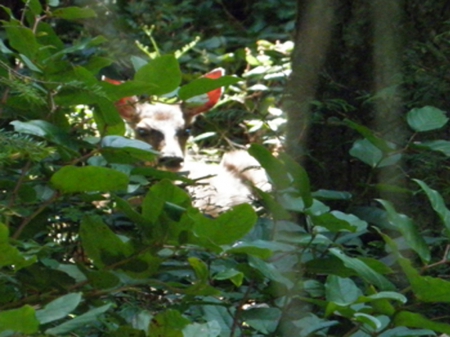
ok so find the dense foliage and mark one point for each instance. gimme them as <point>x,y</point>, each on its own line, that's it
<point>94,244</point>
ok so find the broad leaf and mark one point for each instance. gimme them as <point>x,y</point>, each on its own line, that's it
<point>162,72</point>
<point>265,320</point>
<point>10,255</point>
<point>363,270</point>
<point>22,320</point>
<point>368,153</point>
<point>169,323</point>
<point>439,145</point>
<point>437,202</point>
<point>413,320</point>
<point>426,288</point>
<point>426,119</point>
<point>101,244</point>
<point>228,227</point>
<point>59,308</point>
<point>406,226</point>
<point>342,291</point>
<point>74,13</point>
<point>79,321</point>
<point>203,85</point>
<point>22,39</point>
<point>71,179</point>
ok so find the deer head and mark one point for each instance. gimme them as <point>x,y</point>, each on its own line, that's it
<point>166,127</point>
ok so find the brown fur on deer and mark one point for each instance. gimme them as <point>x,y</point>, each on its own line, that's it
<point>165,127</point>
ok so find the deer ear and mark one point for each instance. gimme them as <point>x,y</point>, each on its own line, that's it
<point>125,105</point>
<point>199,104</point>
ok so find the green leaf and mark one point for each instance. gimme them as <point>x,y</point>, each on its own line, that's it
<point>363,270</point>
<point>368,134</point>
<point>228,227</point>
<point>102,279</point>
<point>438,145</point>
<point>21,39</point>
<point>403,331</point>
<point>78,322</point>
<point>342,291</point>
<point>426,288</point>
<point>22,320</point>
<point>331,195</point>
<point>203,85</point>
<point>119,149</point>
<point>426,119</point>
<point>265,320</point>
<point>406,226</point>
<point>163,73</point>
<point>366,319</point>
<point>169,323</point>
<point>413,320</point>
<point>10,255</point>
<point>74,13</point>
<point>270,271</point>
<point>101,244</point>
<point>200,268</point>
<point>368,153</point>
<point>258,248</point>
<point>71,179</point>
<point>35,7</point>
<point>236,277</point>
<point>437,202</point>
<point>59,308</point>
<point>387,295</point>
<point>47,131</point>
<point>336,221</point>
<point>208,329</point>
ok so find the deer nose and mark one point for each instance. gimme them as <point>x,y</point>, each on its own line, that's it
<point>171,162</point>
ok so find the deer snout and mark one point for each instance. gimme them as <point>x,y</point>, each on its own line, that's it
<point>172,163</point>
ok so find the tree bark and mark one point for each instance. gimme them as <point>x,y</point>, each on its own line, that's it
<point>313,35</point>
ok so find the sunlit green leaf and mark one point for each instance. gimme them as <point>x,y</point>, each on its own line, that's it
<point>71,179</point>
<point>22,320</point>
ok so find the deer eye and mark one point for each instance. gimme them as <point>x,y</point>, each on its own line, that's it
<point>183,132</point>
<point>142,132</point>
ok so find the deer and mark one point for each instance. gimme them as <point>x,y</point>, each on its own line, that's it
<point>165,127</point>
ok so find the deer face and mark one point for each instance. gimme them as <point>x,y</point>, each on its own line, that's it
<point>165,127</point>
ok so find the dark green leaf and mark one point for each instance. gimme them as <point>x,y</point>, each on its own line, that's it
<point>101,244</point>
<point>169,323</point>
<point>21,39</point>
<point>10,255</point>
